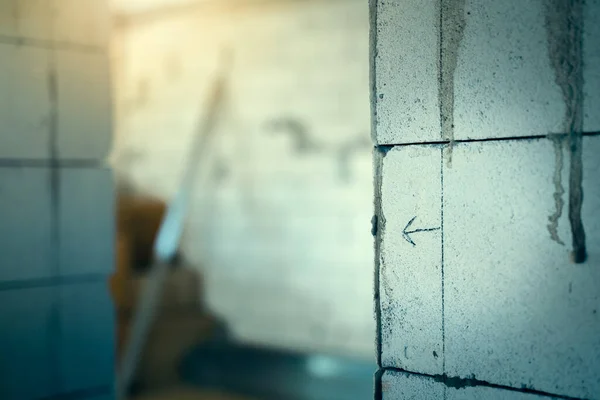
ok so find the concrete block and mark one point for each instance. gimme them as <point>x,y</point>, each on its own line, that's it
<point>26,230</point>
<point>34,18</point>
<point>399,385</point>
<point>84,22</point>
<point>25,102</point>
<point>591,61</point>
<point>8,18</point>
<point>517,311</point>
<point>84,104</point>
<point>31,19</point>
<point>406,70</point>
<point>498,73</point>
<point>87,336</point>
<point>410,274</point>
<point>27,365</point>
<point>86,221</point>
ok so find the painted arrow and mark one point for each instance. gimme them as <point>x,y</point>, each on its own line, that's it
<point>406,233</point>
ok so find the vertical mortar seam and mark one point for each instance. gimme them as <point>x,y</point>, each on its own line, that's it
<point>441,108</point>
<point>55,328</point>
<point>377,161</point>
<point>442,264</point>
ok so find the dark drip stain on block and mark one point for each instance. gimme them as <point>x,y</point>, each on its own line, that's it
<point>559,189</point>
<point>564,28</point>
<point>452,27</point>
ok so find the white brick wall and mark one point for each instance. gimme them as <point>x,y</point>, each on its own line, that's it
<point>478,297</point>
<point>57,231</point>
<point>281,234</point>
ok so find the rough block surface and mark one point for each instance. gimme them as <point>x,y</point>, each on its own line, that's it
<point>511,292</point>
<point>498,73</point>
<point>410,264</point>
<point>396,385</point>
<point>508,289</point>
<point>491,68</point>
<point>405,71</point>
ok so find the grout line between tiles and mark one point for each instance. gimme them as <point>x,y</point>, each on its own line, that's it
<point>54,330</point>
<point>52,163</point>
<point>50,44</point>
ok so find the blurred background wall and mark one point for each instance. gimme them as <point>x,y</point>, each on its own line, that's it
<point>280,226</point>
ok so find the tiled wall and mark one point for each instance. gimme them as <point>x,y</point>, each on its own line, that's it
<point>56,201</point>
<point>478,297</point>
<point>281,219</point>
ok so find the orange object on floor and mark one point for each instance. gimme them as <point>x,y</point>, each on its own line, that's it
<point>138,220</point>
<point>181,322</point>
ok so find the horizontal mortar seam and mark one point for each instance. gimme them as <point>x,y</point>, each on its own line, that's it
<point>499,139</point>
<point>461,383</point>
<point>50,44</point>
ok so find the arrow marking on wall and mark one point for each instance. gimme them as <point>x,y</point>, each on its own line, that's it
<point>406,233</point>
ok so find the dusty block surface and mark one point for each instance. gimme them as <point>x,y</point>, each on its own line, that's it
<point>86,221</point>
<point>499,71</point>
<point>489,67</point>
<point>517,311</point>
<point>406,69</point>
<point>396,385</point>
<point>24,119</point>
<point>26,228</point>
<point>410,274</point>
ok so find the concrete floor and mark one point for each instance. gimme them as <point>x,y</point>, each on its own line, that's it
<point>188,393</point>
